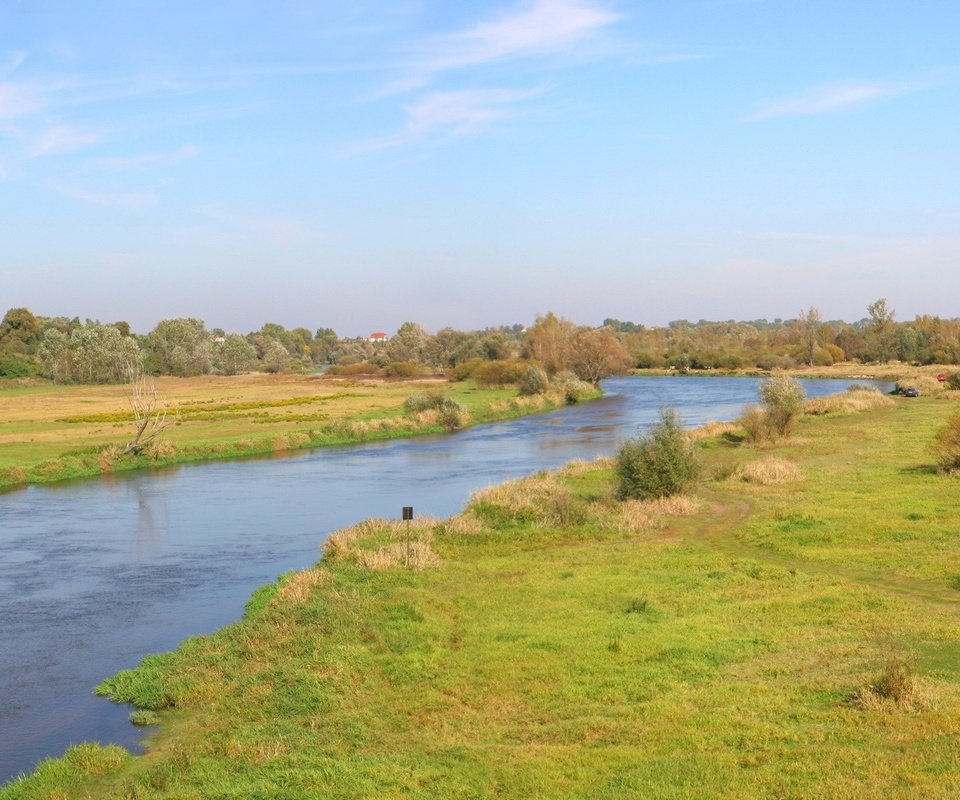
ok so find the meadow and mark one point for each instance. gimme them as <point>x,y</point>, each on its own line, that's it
<point>51,432</point>
<point>791,628</point>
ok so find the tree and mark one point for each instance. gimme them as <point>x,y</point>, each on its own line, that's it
<point>19,331</point>
<point>181,347</point>
<point>149,410</point>
<point>809,322</point>
<point>409,343</point>
<point>596,353</point>
<point>881,333</point>
<point>234,354</point>
<point>276,358</point>
<point>548,342</point>
<point>782,399</point>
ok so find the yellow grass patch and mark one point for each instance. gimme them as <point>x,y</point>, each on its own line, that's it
<point>644,515</point>
<point>848,402</point>
<point>384,544</point>
<point>297,587</point>
<point>767,471</point>
<point>711,429</point>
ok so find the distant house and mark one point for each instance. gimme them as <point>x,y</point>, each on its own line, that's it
<point>377,337</point>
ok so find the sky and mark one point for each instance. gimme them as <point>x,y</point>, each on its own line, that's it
<point>355,165</point>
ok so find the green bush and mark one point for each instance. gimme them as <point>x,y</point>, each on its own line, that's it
<point>953,380</point>
<point>534,381</point>
<point>782,398</point>
<point>13,366</point>
<point>946,445</point>
<point>658,463</point>
<point>423,401</point>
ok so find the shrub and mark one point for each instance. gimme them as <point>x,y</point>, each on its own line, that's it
<point>946,445</point>
<point>753,420</point>
<point>350,370</point>
<point>534,381</point>
<point>782,399</point>
<point>423,401</point>
<point>14,366</point>
<point>572,388</point>
<point>658,463</point>
<point>452,415</point>
<point>402,369</point>
<point>497,373</point>
<point>953,380</point>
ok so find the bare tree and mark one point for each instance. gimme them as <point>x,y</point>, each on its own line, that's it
<point>149,410</point>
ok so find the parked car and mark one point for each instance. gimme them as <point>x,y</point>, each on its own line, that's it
<point>911,391</point>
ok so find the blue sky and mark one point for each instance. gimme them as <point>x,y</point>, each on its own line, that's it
<point>355,165</point>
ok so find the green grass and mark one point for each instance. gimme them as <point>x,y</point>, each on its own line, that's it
<point>39,444</point>
<point>707,655</point>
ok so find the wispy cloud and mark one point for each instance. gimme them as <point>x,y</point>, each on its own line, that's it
<point>11,61</point>
<point>60,138</point>
<point>147,159</point>
<point>449,115</point>
<point>829,100</point>
<point>131,201</point>
<point>539,27</point>
<point>18,101</point>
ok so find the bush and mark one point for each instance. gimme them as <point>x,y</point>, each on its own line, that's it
<point>424,401</point>
<point>753,420</point>
<point>402,369</point>
<point>573,389</point>
<point>946,445</point>
<point>534,381</point>
<point>498,373</point>
<point>782,398</point>
<point>658,463</point>
<point>13,366</point>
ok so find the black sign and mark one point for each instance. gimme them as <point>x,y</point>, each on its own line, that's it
<point>408,512</point>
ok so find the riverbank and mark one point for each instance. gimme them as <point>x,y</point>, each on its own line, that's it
<point>51,433</point>
<point>550,641</point>
<point>854,370</point>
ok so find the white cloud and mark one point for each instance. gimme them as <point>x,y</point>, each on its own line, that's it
<point>61,138</point>
<point>17,101</point>
<point>829,100</point>
<point>446,115</point>
<point>539,27</point>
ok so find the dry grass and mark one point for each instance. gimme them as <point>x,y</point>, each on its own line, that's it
<point>896,689</point>
<point>711,429</point>
<point>541,499</point>
<point>377,544</point>
<point>849,402</point>
<point>767,471</point>
<point>928,385</point>
<point>297,587</point>
<point>579,466</point>
<point>645,515</point>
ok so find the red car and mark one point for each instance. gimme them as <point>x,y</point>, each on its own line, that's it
<point>942,377</point>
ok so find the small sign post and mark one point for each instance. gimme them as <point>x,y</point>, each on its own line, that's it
<point>408,517</point>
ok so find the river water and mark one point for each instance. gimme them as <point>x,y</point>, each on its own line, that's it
<point>96,573</point>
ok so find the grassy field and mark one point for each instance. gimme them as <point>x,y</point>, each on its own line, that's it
<point>790,630</point>
<point>50,432</point>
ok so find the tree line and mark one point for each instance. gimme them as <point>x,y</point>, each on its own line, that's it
<point>70,351</point>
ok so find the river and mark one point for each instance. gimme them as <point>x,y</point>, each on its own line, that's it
<point>96,573</point>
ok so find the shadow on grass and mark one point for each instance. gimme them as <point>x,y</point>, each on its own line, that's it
<point>920,469</point>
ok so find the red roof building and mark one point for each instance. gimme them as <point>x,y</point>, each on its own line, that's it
<point>378,336</point>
